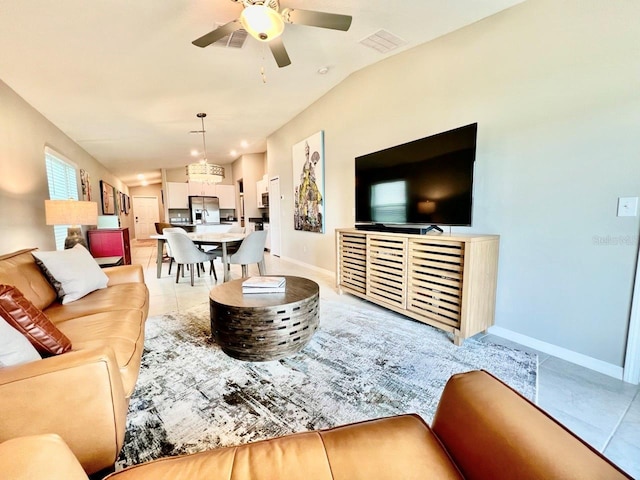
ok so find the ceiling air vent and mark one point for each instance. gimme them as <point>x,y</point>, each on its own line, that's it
<point>233,40</point>
<point>382,41</point>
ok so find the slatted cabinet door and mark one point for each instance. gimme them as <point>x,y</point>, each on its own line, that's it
<point>435,280</point>
<point>352,261</point>
<point>386,269</point>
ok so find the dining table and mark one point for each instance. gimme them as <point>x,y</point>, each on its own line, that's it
<point>204,238</point>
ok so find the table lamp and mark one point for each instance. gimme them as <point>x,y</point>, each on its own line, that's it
<point>73,213</point>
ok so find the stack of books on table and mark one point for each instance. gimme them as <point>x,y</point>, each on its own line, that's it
<point>264,285</point>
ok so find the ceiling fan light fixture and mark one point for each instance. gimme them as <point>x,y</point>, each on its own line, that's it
<point>262,23</point>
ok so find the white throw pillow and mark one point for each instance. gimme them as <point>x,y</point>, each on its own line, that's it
<point>14,347</point>
<point>74,273</point>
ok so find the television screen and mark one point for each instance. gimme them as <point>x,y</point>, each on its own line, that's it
<point>427,181</point>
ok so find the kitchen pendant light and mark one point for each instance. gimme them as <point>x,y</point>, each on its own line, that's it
<point>204,171</point>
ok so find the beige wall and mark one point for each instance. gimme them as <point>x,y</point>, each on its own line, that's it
<point>250,168</point>
<point>554,89</point>
<point>24,133</point>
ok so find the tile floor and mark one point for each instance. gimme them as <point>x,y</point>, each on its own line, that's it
<point>603,411</point>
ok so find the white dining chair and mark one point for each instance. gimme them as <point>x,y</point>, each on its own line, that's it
<point>185,252</point>
<point>171,229</point>
<point>233,246</point>
<point>251,250</point>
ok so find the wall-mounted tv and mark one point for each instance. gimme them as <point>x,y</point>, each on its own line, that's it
<point>424,182</point>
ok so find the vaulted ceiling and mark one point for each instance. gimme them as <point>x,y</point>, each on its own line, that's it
<point>123,80</point>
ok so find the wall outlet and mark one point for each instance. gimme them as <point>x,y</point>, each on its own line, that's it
<point>627,206</point>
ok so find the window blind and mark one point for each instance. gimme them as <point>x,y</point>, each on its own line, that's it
<point>63,185</point>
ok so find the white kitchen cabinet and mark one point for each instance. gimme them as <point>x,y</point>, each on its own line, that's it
<point>225,193</point>
<point>177,195</point>
<point>202,189</point>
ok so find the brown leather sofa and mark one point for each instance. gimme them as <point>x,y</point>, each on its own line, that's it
<point>482,430</point>
<point>81,395</point>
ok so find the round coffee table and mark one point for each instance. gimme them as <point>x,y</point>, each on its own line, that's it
<point>264,326</point>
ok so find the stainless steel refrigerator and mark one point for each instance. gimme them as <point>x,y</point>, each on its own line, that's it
<point>204,209</point>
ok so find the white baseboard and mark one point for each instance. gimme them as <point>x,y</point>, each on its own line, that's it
<point>309,266</point>
<point>565,354</point>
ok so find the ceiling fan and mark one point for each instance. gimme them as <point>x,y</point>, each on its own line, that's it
<point>264,21</point>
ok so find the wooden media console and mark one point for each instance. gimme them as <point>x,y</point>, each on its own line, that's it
<point>446,280</point>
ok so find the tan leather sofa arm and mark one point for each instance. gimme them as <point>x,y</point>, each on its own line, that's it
<point>77,395</point>
<point>39,456</point>
<point>400,447</point>
<point>124,274</point>
<point>491,431</point>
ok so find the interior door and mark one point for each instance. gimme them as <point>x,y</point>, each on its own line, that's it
<point>145,212</point>
<point>274,216</point>
<point>632,360</point>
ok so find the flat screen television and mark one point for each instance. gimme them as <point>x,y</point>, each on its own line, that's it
<point>424,182</point>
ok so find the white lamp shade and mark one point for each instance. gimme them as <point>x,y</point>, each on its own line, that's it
<point>70,212</point>
<point>205,172</point>
<point>261,22</point>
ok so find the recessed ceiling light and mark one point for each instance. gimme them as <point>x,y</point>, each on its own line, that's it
<point>244,144</point>
<point>233,153</point>
<point>140,176</point>
<point>194,153</point>
<point>323,70</point>
<point>145,183</point>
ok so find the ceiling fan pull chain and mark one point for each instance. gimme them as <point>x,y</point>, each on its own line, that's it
<point>262,74</point>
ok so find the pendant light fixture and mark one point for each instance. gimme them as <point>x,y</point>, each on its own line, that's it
<point>204,171</point>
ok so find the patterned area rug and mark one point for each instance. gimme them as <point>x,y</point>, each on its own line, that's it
<point>362,363</point>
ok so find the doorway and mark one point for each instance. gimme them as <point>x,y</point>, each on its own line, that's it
<point>274,216</point>
<point>632,359</point>
<point>145,212</point>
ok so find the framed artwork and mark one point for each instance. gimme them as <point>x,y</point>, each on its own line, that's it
<point>85,183</point>
<point>108,198</point>
<point>308,184</point>
<point>125,203</point>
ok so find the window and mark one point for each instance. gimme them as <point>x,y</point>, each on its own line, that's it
<point>63,185</point>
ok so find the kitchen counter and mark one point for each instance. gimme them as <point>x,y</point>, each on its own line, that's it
<point>221,227</point>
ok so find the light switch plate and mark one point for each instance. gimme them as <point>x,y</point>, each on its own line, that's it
<point>627,206</point>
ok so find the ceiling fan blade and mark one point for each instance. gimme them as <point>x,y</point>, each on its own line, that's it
<point>317,19</point>
<point>217,34</point>
<point>279,52</point>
